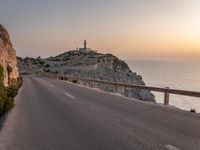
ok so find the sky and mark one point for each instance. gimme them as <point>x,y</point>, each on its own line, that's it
<point>126,28</point>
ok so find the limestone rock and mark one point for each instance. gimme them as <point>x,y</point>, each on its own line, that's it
<point>7,57</point>
<point>90,64</point>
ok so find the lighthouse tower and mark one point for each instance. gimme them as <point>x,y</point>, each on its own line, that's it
<point>85,48</point>
<point>85,44</point>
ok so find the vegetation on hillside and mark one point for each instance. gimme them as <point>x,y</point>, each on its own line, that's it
<point>7,94</point>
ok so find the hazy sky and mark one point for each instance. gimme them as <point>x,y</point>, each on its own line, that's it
<point>127,28</point>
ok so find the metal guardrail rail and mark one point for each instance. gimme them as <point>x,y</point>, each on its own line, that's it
<point>165,90</point>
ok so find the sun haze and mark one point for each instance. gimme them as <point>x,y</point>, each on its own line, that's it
<point>131,28</point>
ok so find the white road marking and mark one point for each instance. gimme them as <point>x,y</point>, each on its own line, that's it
<point>69,95</point>
<point>171,147</point>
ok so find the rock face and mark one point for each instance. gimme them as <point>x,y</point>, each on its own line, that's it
<point>99,66</point>
<point>90,64</point>
<point>7,57</point>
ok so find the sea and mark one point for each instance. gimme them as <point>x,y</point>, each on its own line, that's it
<point>177,74</point>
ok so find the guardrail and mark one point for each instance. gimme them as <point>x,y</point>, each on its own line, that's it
<point>165,90</point>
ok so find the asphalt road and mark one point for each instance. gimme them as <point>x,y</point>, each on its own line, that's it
<point>53,115</point>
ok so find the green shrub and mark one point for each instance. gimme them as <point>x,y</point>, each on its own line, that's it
<point>7,93</point>
<point>75,81</point>
<point>13,88</point>
<point>41,62</point>
<point>193,110</point>
<point>47,65</point>
<point>1,76</point>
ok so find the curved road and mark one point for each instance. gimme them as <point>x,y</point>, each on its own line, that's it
<point>53,115</point>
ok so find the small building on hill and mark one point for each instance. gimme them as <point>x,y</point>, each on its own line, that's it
<point>85,48</point>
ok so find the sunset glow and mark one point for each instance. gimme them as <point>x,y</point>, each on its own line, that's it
<point>129,29</point>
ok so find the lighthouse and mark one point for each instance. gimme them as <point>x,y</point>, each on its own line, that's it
<point>85,48</point>
<point>85,45</point>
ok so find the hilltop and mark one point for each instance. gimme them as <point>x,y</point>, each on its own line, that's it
<point>87,63</point>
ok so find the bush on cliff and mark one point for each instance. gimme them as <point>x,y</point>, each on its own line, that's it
<point>7,93</point>
<point>13,89</point>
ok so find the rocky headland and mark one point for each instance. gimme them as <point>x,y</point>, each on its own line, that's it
<point>89,64</point>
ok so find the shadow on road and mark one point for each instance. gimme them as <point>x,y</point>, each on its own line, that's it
<point>3,119</point>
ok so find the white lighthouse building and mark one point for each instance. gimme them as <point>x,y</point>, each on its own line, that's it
<point>85,48</point>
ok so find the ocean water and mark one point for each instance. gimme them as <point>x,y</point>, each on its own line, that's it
<point>178,74</point>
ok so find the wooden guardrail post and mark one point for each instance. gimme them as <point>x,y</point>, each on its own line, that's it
<point>119,89</point>
<point>166,97</point>
<point>92,84</point>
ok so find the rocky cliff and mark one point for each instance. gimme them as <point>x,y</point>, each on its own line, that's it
<point>7,57</point>
<point>90,64</point>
